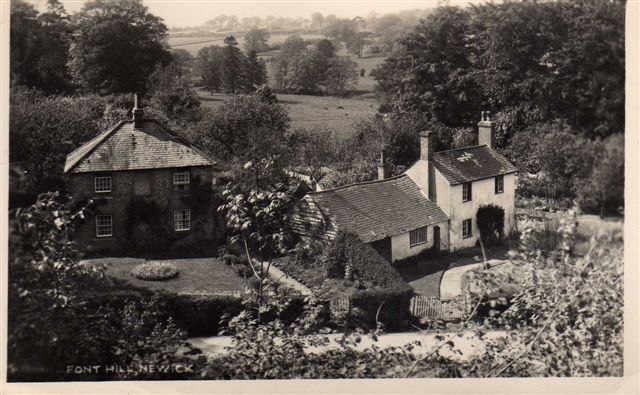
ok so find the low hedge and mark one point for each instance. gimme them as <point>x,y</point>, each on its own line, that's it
<point>394,312</point>
<point>198,315</point>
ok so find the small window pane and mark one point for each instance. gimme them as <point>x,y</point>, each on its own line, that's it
<point>418,236</point>
<point>466,192</point>
<point>182,219</point>
<point>499,184</point>
<point>102,184</point>
<point>466,228</point>
<point>181,181</point>
<point>104,225</point>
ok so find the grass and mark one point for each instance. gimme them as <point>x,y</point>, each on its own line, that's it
<point>334,113</point>
<point>194,44</point>
<point>206,275</point>
<point>313,276</point>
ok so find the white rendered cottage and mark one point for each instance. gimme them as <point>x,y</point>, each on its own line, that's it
<point>431,205</point>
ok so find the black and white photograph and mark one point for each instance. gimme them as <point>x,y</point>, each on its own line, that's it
<point>288,190</point>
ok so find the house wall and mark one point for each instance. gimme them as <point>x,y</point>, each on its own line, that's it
<point>483,193</point>
<point>419,173</point>
<point>154,185</point>
<point>401,249</point>
<point>440,191</point>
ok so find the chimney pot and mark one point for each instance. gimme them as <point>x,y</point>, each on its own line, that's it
<point>138,113</point>
<point>486,131</point>
<point>382,167</point>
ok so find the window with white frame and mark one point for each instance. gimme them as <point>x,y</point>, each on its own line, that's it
<point>181,181</point>
<point>418,236</point>
<point>499,184</point>
<point>466,228</point>
<point>104,225</point>
<point>102,184</point>
<point>182,219</point>
<point>466,192</point>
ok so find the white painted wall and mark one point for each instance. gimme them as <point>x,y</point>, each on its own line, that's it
<point>401,249</point>
<point>483,192</point>
<point>419,173</point>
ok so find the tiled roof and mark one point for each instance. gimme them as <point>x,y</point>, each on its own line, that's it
<point>377,209</point>
<point>124,147</point>
<point>471,163</point>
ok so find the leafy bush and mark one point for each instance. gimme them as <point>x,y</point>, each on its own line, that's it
<point>155,271</point>
<point>347,256</point>
<point>387,306</point>
<point>201,315</point>
<point>490,220</point>
<point>48,331</point>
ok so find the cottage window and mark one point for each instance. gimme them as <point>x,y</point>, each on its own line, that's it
<point>104,225</point>
<point>181,181</point>
<point>499,184</point>
<point>418,236</point>
<point>466,192</point>
<point>102,184</point>
<point>466,228</point>
<point>182,219</point>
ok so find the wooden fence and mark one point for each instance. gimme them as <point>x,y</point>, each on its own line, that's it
<point>433,307</point>
<point>420,307</point>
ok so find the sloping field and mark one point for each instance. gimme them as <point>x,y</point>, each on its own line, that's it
<point>338,114</point>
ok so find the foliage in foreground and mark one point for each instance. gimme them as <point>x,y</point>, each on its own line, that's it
<point>565,321</point>
<point>53,322</point>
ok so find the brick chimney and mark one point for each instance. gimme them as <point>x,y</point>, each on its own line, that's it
<point>138,114</point>
<point>486,131</point>
<point>382,167</point>
<point>426,145</point>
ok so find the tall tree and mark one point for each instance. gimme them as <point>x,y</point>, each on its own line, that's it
<point>169,92</point>
<point>210,67</point>
<point>117,45</point>
<point>256,40</point>
<point>243,128</point>
<point>233,67</point>
<point>256,72</point>
<point>40,47</point>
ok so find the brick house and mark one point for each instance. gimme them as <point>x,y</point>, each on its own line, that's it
<point>432,205</point>
<point>141,161</point>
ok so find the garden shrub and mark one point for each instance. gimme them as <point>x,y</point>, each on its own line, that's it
<point>155,271</point>
<point>201,315</point>
<point>348,257</point>
<point>394,312</point>
<point>490,220</point>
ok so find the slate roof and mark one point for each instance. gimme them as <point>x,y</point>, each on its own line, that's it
<point>124,147</point>
<point>377,209</point>
<point>471,163</point>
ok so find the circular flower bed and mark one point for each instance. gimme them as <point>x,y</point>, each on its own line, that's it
<point>155,271</point>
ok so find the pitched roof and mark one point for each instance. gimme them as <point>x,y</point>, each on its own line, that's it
<point>377,209</point>
<point>124,147</point>
<point>471,163</point>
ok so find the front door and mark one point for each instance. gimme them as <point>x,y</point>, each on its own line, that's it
<point>436,241</point>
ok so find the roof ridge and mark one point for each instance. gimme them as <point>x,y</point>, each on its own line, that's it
<point>461,148</point>
<point>358,184</point>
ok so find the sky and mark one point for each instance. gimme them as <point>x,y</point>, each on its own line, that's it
<point>181,13</point>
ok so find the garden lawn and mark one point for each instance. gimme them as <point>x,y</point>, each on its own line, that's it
<point>205,275</point>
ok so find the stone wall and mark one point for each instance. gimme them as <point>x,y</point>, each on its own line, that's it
<point>154,186</point>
